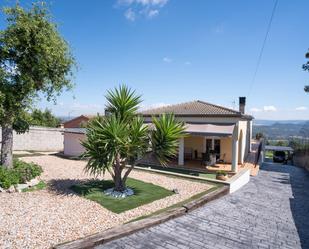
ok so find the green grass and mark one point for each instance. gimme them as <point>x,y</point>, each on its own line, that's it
<point>179,204</point>
<point>182,171</point>
<point>269,154</point>
<point>144,193</point>
<point>41,185</point>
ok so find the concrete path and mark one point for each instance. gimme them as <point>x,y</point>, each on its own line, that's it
<point>271,211</point>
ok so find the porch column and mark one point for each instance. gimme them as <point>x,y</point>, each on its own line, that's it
<point>235,148</point>
<point>181,152</point>
<point>235,155</point>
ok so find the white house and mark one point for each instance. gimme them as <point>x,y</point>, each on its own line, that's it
<point>224,132</point>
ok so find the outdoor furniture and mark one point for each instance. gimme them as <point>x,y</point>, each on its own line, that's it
<point>221,159</point>
<point>205,159</point>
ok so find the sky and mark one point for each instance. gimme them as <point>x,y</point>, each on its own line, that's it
<point>173,51</point>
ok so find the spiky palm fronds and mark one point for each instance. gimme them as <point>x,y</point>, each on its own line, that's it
<point>123,138</point>
<point>165,137</point>
<point>123,102</point>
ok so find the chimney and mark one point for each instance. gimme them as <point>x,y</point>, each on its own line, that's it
<point>242,104</point>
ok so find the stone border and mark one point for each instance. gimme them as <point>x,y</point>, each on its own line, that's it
<point>182,175</point>
<point>124,230</point>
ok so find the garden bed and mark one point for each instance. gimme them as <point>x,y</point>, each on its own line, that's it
<point>144,193</point>
<point>57,214</point>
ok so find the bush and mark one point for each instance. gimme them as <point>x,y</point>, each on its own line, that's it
<point>221,172</point>
<point>21,173</point>
<point>26,171</point>
<point>8,177</point>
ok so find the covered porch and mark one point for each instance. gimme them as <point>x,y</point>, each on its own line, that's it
<point>222,141</point>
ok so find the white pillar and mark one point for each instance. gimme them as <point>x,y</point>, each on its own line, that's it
<point>250,135</point>
<point>181,152</point>
<point>235,154</point>
<point>235,148</point>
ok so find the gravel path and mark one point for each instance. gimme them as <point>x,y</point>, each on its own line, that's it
<point>43,218</point>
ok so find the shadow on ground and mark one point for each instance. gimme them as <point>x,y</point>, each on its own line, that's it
<point>298,178</point>
<point>63,186</point>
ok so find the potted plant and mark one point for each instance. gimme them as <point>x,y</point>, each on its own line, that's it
<point>221,175</point>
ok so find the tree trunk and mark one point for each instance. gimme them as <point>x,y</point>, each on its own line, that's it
<point>7,146</point>
<point>119,184</point>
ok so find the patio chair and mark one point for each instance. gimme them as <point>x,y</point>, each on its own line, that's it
<point>205,159</point>
<point>221,159</point>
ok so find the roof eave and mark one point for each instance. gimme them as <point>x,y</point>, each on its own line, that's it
<point>247,117</point>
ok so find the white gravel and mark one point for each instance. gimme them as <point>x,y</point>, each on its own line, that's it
<point>44,218</point>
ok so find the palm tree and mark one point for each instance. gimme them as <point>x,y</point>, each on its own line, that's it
<point>122,138</point>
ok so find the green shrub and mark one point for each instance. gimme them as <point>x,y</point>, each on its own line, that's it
<point>8,177</point>
<point>221,172</point>
<point>21,173</point>
<point>26,171</point>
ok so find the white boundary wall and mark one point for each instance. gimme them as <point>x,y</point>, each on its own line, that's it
<point>39,139</point>
<point>239,180</point>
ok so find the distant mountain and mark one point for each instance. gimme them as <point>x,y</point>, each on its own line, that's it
<point>278,129</point>
<point>271,122</point>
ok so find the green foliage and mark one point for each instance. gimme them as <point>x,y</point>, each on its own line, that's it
<point>21,173</point>
<point>8,177</point>
<point>41,185</point>
<point>259,135</point>
<point>221,172</point>
<point>26,171</point>
<point>122,138</point>
<point>34,59</point>
<point>44,118</point>
<point>306,68</point>
<point>144,193</point>
<point>165,136</point>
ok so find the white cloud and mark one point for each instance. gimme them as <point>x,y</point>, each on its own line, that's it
<point>188,63</point>
<point>152,13</point>
<point>167,60</point>
<point>130,15</point>
<point>301,108</point>
<point>269,108</point>
<point>146,8</point>
<point>254,109</point>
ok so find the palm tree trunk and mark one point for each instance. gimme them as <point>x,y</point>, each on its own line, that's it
<point>119,184</point>
<point>7,146</point>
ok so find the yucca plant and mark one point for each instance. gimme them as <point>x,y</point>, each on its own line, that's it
<point>122,138</point>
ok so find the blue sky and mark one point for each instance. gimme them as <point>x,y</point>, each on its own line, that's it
<point>173,51</point>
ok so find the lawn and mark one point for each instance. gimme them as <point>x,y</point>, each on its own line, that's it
<point>144,193</point>
<point>182,171</point>
<point>41,185</point>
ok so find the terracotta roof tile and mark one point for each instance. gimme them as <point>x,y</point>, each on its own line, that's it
<point>193,108</point>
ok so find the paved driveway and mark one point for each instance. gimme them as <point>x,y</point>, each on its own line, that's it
<point>272,211</point>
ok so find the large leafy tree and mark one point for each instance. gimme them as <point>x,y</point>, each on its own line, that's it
<point>122,138</point>
<point>34,61</point>
<point>306,68</point>
<point>43,118</point>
